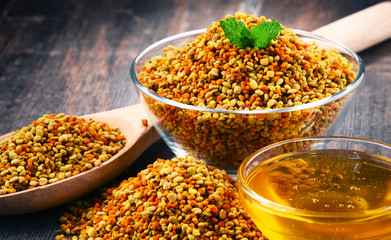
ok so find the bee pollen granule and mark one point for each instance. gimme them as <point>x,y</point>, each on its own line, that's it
<point>182,198</point>
<point>53,148</point>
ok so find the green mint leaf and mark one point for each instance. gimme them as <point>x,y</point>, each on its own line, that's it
<point>247,38</point>
<point>265,32</point>
<point>258,36</point>
<point>235,31</point>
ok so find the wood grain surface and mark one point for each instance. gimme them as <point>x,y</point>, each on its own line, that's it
<point>73,56</point>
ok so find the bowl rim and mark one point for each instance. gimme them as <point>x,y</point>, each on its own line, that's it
<point>163,42</point>
<point>377,212</point>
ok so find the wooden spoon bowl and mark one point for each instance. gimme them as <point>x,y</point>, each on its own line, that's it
<point>138,139</point>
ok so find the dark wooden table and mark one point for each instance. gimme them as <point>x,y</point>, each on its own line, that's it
<point>73,56</point>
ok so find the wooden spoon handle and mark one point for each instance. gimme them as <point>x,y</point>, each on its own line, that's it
<point>362,29</point>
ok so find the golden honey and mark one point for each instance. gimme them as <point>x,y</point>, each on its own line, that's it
<point>321,194</point>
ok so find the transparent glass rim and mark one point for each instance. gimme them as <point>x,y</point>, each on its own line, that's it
<point>301,212</point>
<point>349,89</point>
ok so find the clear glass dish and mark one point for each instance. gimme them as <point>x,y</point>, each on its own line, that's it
<point>319,188</point>
<point>223,138</point>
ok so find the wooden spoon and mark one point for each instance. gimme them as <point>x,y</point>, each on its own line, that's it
<point>139,138</point>
<point>357,31</point>
<point>362,29</point>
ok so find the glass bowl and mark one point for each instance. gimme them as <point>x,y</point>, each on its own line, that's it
<point>223,138</point>
<point>319,188</point>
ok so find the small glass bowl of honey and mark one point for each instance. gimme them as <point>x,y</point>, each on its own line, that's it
<point>319,188</point>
